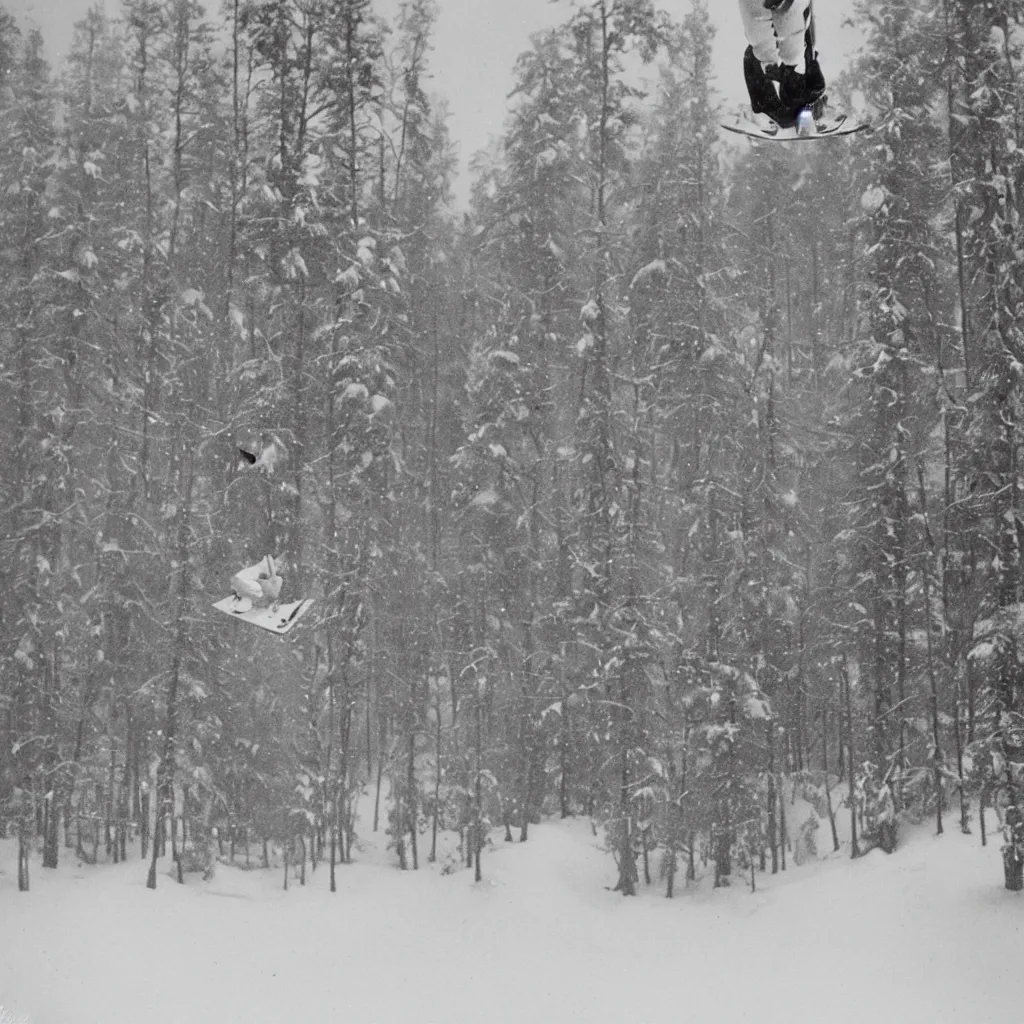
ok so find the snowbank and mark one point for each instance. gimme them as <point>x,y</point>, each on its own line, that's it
<point>927,934</point>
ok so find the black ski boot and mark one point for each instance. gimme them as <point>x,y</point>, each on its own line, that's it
<point>801,91</point>
<point>764,97</point>
<point>797,91</point>
<point>814,79</point>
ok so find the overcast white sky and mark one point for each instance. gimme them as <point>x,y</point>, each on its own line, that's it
<point>477,42</point>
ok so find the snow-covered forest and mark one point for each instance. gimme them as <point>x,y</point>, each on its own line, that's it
<point>674,479</point>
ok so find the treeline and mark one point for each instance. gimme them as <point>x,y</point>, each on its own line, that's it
<point>670,477</point>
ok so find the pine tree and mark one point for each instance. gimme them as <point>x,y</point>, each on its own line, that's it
<point>984,112</point>
<point>46,375</point>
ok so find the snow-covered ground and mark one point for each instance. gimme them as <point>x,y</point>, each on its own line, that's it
<point>925,935</point>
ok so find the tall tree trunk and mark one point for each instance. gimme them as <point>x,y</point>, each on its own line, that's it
<point>846,698</point>
<point>772,797</point>
<point>828,783</point>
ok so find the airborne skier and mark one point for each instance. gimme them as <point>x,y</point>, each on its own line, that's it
<point>780,64</point>
<point>255,598</point>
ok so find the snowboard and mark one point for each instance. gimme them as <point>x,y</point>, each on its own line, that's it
<point>277,620</point>
<point>826,128</point>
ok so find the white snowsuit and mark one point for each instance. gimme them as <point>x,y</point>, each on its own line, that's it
<point>261,583</point>
<point>777,37</point>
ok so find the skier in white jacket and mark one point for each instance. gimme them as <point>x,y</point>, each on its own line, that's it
<point>259,585</point>
<point>780,64</point>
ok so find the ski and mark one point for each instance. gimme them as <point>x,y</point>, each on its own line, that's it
<point>278,619</point>
<point>826,128</point>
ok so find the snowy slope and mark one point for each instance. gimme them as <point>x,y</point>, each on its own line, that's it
<point>927,934</point>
